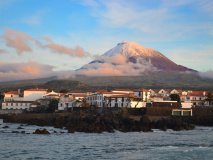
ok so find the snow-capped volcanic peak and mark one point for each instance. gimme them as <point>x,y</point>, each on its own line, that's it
<point>132,49</point>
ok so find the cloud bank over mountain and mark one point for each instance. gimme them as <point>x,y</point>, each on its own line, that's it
<point>117,65</point>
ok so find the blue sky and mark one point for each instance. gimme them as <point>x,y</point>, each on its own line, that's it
<point>181,30</point>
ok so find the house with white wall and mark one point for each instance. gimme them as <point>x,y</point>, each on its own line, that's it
<point>13,96</point>
<point>51,95</point>
<point>34,94</point>
<point>143,93</point>
<point>18,100</point>
<point>127,91</point>
<point>197,98</point>
<point>16,104</point>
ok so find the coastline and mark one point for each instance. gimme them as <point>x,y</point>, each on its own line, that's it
<point>91,122</point>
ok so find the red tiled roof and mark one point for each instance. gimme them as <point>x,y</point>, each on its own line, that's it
<point>101,91</point>
<point>36,90</point>
<point>14,92</point>
<point>141,90</point>
<point>155,90</point>
<point>79,95</point>
<point>197,94</point>
<point>123,90</point>
<point>77,91</point>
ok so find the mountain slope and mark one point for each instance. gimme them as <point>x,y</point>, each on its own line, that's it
<point>133,50</point>
<point>158,80</point>
<point>24,83</point>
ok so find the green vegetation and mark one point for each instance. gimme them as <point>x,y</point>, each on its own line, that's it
<point>49,89</point>
<point>210,97</point>
<point>52,106</point>
<point>175,97</point>
<point>64,91</point>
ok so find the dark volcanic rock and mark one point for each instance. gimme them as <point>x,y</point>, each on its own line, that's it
<point>38,131</point>
<point>5,127</point>
<point>15,132</point>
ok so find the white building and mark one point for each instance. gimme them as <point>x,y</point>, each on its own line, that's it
<point>143,93</point>
<point>34,94</point>
<point>16,104</point>
<point>197,98</point>
<point>18,100</point>
<point>14,96</point>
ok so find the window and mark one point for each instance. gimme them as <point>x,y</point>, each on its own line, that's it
<point>16,104</point>
<point>11,104</point>
<point>11,95</point>
<point>122,104</point>
<point>122,99</point>
<point>6,104</point>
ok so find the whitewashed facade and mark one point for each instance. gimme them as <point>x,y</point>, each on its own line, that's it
<point>16,104</point>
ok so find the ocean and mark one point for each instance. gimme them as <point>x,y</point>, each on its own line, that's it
<point>193,144</point>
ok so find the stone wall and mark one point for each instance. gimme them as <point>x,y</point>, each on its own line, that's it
<point>12,111</point>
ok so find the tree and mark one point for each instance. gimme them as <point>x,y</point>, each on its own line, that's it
<point>210,97</point>
<point>1,96</point>
<point>175,97</point>
<point>49,89</point>
<point>64,91</point>
<point>53,106</point>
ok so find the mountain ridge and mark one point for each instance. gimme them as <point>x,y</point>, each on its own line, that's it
<point>133,51</point>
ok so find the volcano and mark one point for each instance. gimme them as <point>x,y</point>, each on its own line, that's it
<point>131,59</point>
<point>132,51</point>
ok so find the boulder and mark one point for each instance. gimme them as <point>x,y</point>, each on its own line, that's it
<point>5,127</point>
<point>38,131</point>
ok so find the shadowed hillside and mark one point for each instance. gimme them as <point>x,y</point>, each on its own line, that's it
<point>25,83</point>
<point>160,80</point>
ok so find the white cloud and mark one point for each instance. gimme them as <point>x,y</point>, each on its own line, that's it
<point>162,22</point>
<point>207,74</point>
<point>116,66</point>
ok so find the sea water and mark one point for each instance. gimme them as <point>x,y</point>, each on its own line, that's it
<point>194,144</point>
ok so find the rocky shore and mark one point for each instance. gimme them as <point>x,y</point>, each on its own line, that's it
<point>91,122</point>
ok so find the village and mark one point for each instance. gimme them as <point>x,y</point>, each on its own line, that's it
<point>34,99</point>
